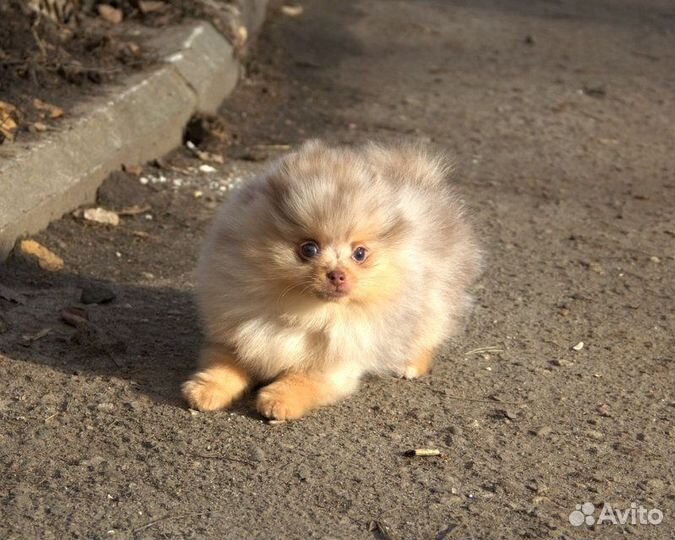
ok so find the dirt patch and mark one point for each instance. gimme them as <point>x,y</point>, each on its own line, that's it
<point>62,62</point>
<point>59,64</point>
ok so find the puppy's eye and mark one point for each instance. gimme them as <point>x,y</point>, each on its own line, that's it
<point>309,249</point>
<point>360,254</point>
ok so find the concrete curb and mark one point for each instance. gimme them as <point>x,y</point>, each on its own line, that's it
<point>135,122</point>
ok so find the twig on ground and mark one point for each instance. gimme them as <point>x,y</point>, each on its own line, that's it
<point>165,518</point>
<point>488,349</point>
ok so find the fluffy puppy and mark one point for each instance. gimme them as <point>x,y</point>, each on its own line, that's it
<point>335,263</point>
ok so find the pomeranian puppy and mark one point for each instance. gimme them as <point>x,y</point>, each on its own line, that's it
<point>335,263</point>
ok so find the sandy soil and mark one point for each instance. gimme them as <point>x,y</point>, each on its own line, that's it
<point>560,118</point>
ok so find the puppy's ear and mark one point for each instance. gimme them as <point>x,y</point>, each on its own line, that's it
<point>312,145</point>
<point>278,186</point>
<point>399,227</point>
<point>277,192</point>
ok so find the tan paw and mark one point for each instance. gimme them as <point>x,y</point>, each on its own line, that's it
<point>419,367</point>
<point>410,372</point>
<point>276,403</point>
<point>205,393</point>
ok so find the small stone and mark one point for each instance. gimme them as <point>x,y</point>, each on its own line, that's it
<point>257,454</point>
<point>604,410</point>
<point>52,110</point>
<point>303,473</point>
<point>207,169</point>
<point>110,14</point>
<point>148,6</point>
<point>655,259</point>
<point>135,170</point>
<point>46,259</point>
<point>597,268</point>
<point>133,405</point>
<point>93,462</point>
<point>292,10</point>
<point>96,294</point>
<point>561,362</point>
<point>543,431</point>
<point>595,435</point>
<point>105,406</point>
<point>102,216</point>
<point>579,346</point>
<point>242,36</point>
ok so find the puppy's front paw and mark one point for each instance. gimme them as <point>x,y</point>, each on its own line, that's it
<point>205,392</point>
<point>410,372</point>
<point>276,402</point>
<point>418,367</point>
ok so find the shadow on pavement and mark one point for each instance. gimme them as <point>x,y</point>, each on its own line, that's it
<point>147,335</point>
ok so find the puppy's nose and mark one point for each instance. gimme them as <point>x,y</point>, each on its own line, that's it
<point>336,277</point>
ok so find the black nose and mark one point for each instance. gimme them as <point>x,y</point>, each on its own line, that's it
<point>336,277</point>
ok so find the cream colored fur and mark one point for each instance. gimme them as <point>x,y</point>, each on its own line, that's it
<point>266,307</point>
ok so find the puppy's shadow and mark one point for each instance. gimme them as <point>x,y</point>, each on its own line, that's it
<point>148,335</point>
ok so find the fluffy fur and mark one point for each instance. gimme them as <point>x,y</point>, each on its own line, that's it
<point>309,327</point>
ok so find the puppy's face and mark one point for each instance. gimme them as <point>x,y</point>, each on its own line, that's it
<point>342,269</point>
<point>331,231</point>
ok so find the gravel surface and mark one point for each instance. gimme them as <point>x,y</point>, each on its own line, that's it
<point>560,118</point>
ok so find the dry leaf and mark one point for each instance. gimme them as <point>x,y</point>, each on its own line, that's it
<point>8,123</point>
<point>47,259</point>
<point>110,14</point>
<point>53,110</point>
